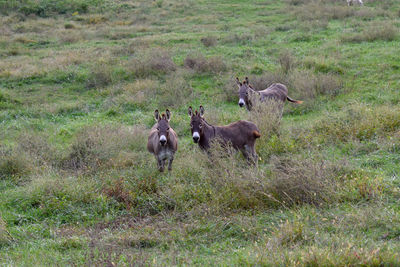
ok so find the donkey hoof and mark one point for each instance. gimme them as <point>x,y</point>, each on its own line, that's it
<point>161,169</point>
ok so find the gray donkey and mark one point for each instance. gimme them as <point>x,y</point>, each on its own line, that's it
<point>241,134</point>
<point>163,141</point>
<point>276,91</point>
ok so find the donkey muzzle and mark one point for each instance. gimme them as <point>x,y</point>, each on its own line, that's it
<point>241,103</point>
<point>163,140</point>
<point>196,137</point>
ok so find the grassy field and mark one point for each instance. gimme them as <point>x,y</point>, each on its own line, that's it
<point>79,83</point>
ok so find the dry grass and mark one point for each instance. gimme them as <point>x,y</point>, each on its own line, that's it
<point>266,115</point>
<point>153,62</point>
<point>231,184</point>
<point>307,85</point>
<point>100,75</point>
<point>201,64</point>
<point>360,122</point>
<point>239,39</point>
<point>69,36</point>
<point>100,146</point>
<point>175,92</point>
<point>229,87</point>
<point>298,181</point>
<point>374,32</point>
<point>5,236</point>
<point>287,61</point>
<point>261,82</point>
<point>209,41</point>
<point>138,93</point>
<point>14,164</point>
<point>318,11</point>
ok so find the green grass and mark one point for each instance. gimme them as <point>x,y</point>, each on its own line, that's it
<point>79,83</point>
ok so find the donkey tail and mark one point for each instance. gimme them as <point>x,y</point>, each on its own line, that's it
<point>256,134</point>
<point>294,101</point>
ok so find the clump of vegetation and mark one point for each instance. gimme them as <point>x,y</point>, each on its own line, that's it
<point>308,85</point>
<point>299,181</point>
<point>261,82</point>
<point>199,63</point>
<point>317,11</point>
<point>229,88</point>
<point>100,75</point>
<point>155,62</point>
<point>358,122</point>
<point>239,39</point>
<point>374,32</point>
<point>45,8</point>
<point>14,164</point>
<point>175,92</point>
<point>99,146</point>
<point>5,236</point>
<point>209,41</point>
<point>69,26</point>
<point>287,61</point>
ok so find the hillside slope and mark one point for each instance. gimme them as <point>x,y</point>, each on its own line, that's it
<point>79,83</point>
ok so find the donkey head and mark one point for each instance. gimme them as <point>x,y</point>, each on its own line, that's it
<point>163,125</point>
<point>196,123</point>
<point>244,91</point>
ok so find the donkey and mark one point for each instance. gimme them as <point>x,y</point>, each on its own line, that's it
<point>241,134</point>
<point>276,91</point>
<point>350,2</point>
<point>162,141</point>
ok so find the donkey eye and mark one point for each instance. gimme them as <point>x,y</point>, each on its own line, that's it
<point>158,129</point>
<point>168,129</point>
<point>200,125</point>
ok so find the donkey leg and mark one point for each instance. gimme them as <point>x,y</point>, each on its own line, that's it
<point>254,154</point>
<point>245,153</point>
<point>249,153</point>
<point>170,163</point>
<point>160,164</point>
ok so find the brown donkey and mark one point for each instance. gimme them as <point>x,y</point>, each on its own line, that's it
<point>276,91</point>
<point>163,141</point>
<point>241,134</point>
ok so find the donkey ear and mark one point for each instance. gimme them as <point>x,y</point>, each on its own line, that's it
<point>190,111</point>
<point>157,115</point>
<point>201,111</point>
<point>168,114</point>
<point>238,81</point>
<point>247,80</point>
